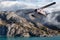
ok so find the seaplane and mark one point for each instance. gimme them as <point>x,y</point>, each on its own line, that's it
<point>40,11</point>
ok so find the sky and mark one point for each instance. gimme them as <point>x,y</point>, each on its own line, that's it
<point>26,4</point>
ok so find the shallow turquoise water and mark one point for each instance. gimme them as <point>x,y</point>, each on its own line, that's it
<point>31,38</point>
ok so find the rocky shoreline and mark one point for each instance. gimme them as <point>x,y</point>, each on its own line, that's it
<point>12,25</point>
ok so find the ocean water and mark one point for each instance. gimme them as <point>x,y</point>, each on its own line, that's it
<point>31,38</point>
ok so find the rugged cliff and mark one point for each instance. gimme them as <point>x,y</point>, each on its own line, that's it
<point>14,25</point>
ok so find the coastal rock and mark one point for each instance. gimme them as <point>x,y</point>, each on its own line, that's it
<point>14,25</point>
<point>25,35</point>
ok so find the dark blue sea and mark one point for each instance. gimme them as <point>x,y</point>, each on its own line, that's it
<point>30,38</point>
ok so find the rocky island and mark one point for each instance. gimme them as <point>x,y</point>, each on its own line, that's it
<point>13,25</point>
